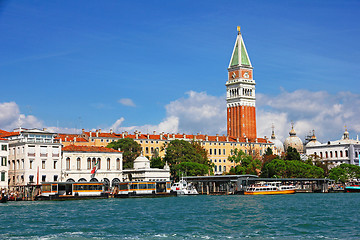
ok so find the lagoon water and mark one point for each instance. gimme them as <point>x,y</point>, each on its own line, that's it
<point>298,216</point>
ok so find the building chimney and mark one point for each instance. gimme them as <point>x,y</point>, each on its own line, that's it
<point>227,138</point>
<point>83,130</point>
<point>97,133</point>
<point>173,135</point>
<point>161,135</point>
<point>217,137</point>
<point>90,133</point>
<point>184,135</point>
<point>122,134</point>
<point>136,134</point>
<point>206,137</point>
<point>154,132</point>
<point>99,130</point>
<point>111,131</point>
<point>148,136</point>
<point>74,139</point>
<point>237,139</point>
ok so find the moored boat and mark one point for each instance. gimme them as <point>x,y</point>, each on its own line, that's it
<point>270,189</point>
<point>354,187</point>
<point>71,190</point>
<point>184,188</point>
<point>143,189</point>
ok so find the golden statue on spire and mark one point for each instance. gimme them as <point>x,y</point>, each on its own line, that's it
<point>238,29</point>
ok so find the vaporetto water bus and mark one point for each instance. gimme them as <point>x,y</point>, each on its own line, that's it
<point>270,188</point>
<point>72,190</point>
<point>144,189</point>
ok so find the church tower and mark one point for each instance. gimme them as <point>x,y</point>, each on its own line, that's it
<point>240,88</point>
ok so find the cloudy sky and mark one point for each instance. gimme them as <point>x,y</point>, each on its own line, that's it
<point>162,65</point>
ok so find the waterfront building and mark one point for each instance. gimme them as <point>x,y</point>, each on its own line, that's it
<point>4,167</point>
<point>294,141</point>
<point>78,163</point>
<point>143,172</point>
<point>219,148</point>
<point>336,152</point>
<point>240,97</point>
<point>34,156</point>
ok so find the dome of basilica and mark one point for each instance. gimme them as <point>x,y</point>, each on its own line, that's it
<point>313,142</point>
<point>294,141</point>
<point>279,146</point>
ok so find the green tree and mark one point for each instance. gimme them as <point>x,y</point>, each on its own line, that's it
<point>344,172</point>
<point>268,152</point>
<point>156,162</point>
<point>279,168</point>
<point>131,150</point>
<point>246,163</point>
<point>179,154</point>
<point>292,154</point>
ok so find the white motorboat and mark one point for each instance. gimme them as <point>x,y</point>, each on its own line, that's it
<point>184,188</point>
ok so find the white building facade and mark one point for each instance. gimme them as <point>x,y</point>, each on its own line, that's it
<point>143,172</point>
<point>4,167</point>
<point>334,153</point>
<point>34,157</point>
<point>79,161</point>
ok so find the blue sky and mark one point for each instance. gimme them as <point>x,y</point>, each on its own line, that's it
<point>153,65</point>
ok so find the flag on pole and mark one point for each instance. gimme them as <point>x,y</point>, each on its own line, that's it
<point>95,168</point>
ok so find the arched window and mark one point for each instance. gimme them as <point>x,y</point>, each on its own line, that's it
<point>215,168</point>
<point>82,180</point>
<point>326,154</point>
<point>99,163</point>
<point>210,151</point>
<point>336,154</point>
<point>341,153</point>
<point>330,154</point>
<point>117,164</point>
<point>219,168</point>
<point>346,153</point>
<point>88,163</point>
<point>70,180</point>
<point>356,155</point>
<point>224,168</point>
<point>93,162</point>
<point>67,163</point>
<point>315,154</point>
<point>115,182</point>
<point>214,151</point>
<point>108,164</point>
<point>321,155</point>
<point>78,163</point>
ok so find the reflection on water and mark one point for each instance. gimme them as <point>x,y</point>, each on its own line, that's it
<point>332,216</point>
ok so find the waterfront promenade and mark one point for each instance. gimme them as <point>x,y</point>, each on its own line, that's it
<point>299,216</point>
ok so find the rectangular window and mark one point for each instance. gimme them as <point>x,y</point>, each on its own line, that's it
<point>31,164</point>
<point>43,151</point>
<point>55,178</point>
<point>108,164</point>
<point>55,163</point>
<point>31,178</point>
<point>2,176</point>
<point>4,147</point>
<point>88,163</point>
<point>78,164</point>
<point>224,152</point>
<point>31,151</point>
<point>43,164</point>
<point>43,178</point>
<point>117,164</point>
<point>3,161</point>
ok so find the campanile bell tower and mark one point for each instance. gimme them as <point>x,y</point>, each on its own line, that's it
<point>240,97</point>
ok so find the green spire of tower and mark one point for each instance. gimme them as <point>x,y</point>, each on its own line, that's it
<point>239,56</point>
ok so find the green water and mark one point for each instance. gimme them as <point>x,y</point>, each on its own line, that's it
<point>298,216</point>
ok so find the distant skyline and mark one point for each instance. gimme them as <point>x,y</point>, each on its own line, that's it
<point>125,65</point>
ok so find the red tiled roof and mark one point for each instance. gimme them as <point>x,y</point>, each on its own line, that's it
<point>167,136</point>
<point>75,148</point>
<point>3,139</point>
<point>71,137</point>
<point>9,134</point>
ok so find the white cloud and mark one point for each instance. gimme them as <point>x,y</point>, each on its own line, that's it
<point>127,102</point>
<point>198,112</point>
<point>324,112</point>
<point>10,117</point>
